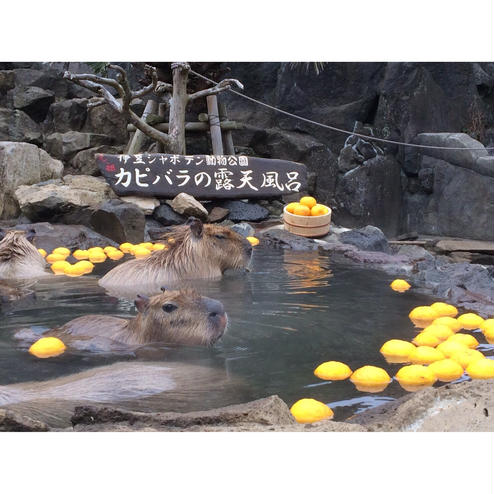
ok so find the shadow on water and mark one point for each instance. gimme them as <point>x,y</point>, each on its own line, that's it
<point>293,311</point>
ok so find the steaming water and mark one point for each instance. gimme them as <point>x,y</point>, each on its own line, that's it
<point>293,311</point>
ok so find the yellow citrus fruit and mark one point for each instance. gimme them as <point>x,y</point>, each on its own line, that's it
<point>319,210</point>
<point>451,347</point>
<point>466,356</point>
<point>58,267</point>
<point>291,206</point>
<point>422,316</point>
<point>441,331</point>
<point>481,369</point>
<point>47,347</point>
<point>73,270</point>
<point>125,247</point>
<point>470,321</point>
<point>308,201</point>
<point>85,266</point>
<point>141,252</point>
<point>62,250</point>
<point>115,255</point>
<point>426,339</point>
<point>158,246</point>
<point>446,370</point>
<point>333,371</point>
<point>425,355</point>
<point>97,256</point>
<point>109,248</point>
<point>414,377</point>
<point>487,328</point>
<point>400,285</point>
<point>466,339</point>
<point>51,258</point>
<point>253,241</point>
<point>451,322</point>
<point>370,379</point>
<point>307,411</point>
<point>444,310</point>
<point>42,252</point>
<point>397,351</point>
<point>146,245</point>
<point>80,254</point>
<point>301,210</point>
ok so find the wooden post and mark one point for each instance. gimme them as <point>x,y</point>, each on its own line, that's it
<point>161,113</point>
<point>137,141</point>
<point>227,134</point>
<point>214,124</point>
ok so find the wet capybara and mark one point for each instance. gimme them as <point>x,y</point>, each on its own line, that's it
<point>175,316</point>
<point>19,258</point>
<point>196,251</point>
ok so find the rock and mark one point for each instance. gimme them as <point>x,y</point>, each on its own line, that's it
<point>370,193</point>
<point>464,158</point>
<point>367,238</point>
<point>165,215</point>
<point>65,146</point>
<point>426,179</point>
<point>53,200</point>
<point>485,166</point>
<point>217,214</point>
<point>84,162</point>
<point>146,204</point>
<point>34,101</point>
<point>244,211</point>
<point>7,80</point>
<point>44,79</point>
<point>22,164</point>
<point>286,240</point>
<point>11,421</point>
<point>15,125</point>
<point>274,207</point>
<point>414,252</point>
<point>122,222</point>
<point>107,121</point>
<point>49,236</point>
<point>67,115</point>
<point>186,205</point>
<point>244,229</point>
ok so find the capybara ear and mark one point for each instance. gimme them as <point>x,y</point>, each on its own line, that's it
<point>163,289</point>
<point>141,302</point>
<point>30,234</point>
<point>195,226</point>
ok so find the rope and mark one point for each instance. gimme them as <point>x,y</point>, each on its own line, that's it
<point>336,129</point>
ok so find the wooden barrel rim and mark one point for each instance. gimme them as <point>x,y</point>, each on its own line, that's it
<point>307,226</point>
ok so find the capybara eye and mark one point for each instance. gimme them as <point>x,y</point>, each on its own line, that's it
<point>169,307</point>
<point>221,237</point>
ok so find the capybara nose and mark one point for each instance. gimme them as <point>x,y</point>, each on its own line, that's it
<point>213,307</point>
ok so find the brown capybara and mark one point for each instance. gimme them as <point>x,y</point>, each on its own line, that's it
<point>194,251</point>
<point>175,316</point>
<point>19,258</point>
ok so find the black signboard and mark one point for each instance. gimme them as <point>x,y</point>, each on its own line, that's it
<point>202,176</point>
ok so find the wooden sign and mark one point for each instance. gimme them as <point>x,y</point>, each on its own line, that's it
<point>202,176</point>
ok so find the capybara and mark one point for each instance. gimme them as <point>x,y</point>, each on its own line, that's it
<point>19,258</point>
<point>194,251</point>
<point>175,316</point>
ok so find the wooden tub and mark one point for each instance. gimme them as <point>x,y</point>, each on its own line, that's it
<point>307,226</point>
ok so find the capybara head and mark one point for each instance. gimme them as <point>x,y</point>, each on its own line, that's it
<point>212,245</point>
<point>179,316</point>
<point>19,258</point>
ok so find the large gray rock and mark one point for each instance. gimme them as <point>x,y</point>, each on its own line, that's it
<point>146,204</point>
<point>122,222</point>
<point>55,199</point>
<point>367,238</point>
<point>461,203</point>
<point>285,240</point>
<point>68,114</point>
<point>370,193</point>
<point>43,78</point>
<point>22,164</point>
<point>11,421</point>
<point>84,163</point>
<point>186,205</point>
<point>165,215</point>
<point>65,146</point>
<point>34,101</point>
<point>105,120</point>
<point>7,80</point>
<point>245,211</point>
<point>15,125</point>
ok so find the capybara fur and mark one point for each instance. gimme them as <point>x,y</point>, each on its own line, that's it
<point>19,258</point>
<point>179,317</point>
<point>193,251</point>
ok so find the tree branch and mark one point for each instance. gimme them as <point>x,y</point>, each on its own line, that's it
<point>144,127</point>
<point>220,87</point>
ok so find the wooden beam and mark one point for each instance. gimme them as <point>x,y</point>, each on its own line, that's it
<point>227,134</point>
<point>214,124</point>
<point>201,126</point>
